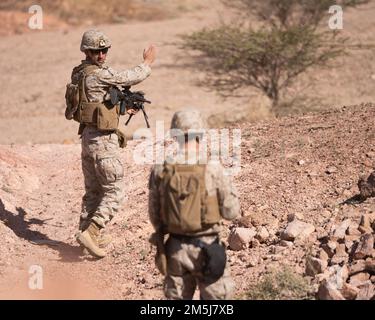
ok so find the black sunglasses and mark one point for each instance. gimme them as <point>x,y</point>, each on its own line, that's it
<point>97,51</point>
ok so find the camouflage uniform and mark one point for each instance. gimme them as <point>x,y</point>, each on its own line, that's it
<point>184,266</point>
<point>101,164</point>
<point>102,168</point>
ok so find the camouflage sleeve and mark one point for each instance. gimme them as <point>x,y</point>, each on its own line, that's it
<point>227,193</point>
<point>111,77</point>
<point>154,200</point>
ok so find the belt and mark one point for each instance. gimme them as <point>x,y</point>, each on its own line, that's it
<point>194,239</point>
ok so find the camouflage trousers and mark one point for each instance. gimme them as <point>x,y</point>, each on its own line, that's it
<point>184,273</point>
<point>103,176</point>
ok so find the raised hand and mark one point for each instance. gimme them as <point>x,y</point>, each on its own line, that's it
<point>149,54</point>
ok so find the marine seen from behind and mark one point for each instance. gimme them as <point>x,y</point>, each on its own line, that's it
<point>187,201</point>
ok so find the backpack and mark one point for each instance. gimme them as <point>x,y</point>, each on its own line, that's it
<point>75,92</point>
<point>185,206</point>
<point>71,100</point>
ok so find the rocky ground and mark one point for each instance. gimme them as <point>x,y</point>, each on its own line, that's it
<point>297,185</point>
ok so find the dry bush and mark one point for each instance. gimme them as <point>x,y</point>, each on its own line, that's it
<point>288,42</point>
<point>281,285</point>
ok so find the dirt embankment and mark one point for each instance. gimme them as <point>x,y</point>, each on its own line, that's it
<point>304,166</point>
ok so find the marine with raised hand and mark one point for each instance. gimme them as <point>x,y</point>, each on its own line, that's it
<point>88,102</point>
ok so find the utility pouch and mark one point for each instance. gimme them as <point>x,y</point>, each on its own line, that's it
<point>88,112</point>
<point>121,138</point>
<point>108,117</point>
<point>215,261</point>
<point>161,262</point>
<point>157,239</point>
<point>71,100</point>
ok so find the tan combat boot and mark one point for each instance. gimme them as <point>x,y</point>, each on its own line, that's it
<point>89,240</point>
<point>104,240</point>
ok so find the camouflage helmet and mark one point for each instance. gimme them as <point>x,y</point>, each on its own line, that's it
<point>188,120</point>
<point>94,40</point>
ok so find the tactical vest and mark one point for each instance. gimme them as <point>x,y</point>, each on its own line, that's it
<point>103,115</point>
<point>185,205</point>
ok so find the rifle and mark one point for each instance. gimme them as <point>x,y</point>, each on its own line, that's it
<point>129,100</point>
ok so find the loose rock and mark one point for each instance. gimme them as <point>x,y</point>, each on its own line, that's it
<point>341,229</point>
<point>365,247</point>
<point>315,266</point>
<point>296,229</point>
<point>328,291</point>
<point>240,238</point>
<point>349,292</point>
<point>366,291</point>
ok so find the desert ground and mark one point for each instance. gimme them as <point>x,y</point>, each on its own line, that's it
<point>302,167</point>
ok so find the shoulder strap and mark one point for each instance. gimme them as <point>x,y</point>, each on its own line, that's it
<point>83,67</point>
<point>85,71</point>
<point>88,68</point>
